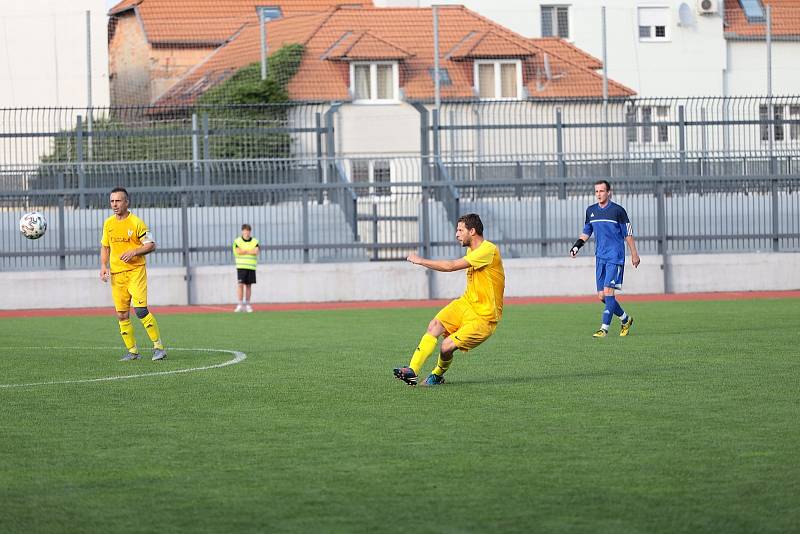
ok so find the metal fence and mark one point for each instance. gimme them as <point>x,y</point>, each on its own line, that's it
<point>696,175</point>
<point>525,213</point>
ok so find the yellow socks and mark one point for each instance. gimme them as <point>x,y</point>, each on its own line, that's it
<point>426,346</point>
<point>151,327</point>
<point>442,365</point>
<point>126,331</point>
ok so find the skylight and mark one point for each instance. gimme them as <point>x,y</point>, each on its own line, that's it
<point>753,10</point>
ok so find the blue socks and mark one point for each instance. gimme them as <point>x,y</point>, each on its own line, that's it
<point>612,308</point>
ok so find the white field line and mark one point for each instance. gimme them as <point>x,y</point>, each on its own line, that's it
<point>237,357</point>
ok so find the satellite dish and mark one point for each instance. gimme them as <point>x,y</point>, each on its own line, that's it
<point>685,16</point>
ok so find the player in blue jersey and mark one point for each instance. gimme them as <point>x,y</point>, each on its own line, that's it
<point>612,229</point>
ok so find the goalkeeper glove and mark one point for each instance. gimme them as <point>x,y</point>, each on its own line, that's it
<point>576,247</point>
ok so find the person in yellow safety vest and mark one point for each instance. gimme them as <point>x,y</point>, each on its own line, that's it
<point>245,251</point>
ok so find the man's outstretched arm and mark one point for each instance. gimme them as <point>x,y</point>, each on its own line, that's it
<point>445,266</point>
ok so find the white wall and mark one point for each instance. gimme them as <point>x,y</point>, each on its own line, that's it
<point>747,71</point>
<point>43,64</point>
<point>399,280</point>
<point>690,63</point>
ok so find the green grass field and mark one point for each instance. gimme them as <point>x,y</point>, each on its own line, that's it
<point>688,425</point>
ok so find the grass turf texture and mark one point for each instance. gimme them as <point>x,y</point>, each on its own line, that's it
<point>688,425</point>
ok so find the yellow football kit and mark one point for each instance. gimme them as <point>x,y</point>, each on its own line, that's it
<point>128,280</point>
<point>472,318</point>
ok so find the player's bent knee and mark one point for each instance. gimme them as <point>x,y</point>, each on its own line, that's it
<point>448,347</point>
<point>123,315</point>
<point>141,313</point>
<point>435,328</point>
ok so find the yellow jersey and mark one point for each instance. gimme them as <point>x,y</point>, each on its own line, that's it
<point>486,282</point>
<point>121,236</point>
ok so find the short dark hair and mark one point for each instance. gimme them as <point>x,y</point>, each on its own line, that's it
<point>246,226</point>
<point>604,182</point>
<point>472,220</point>
<point>121,190</point>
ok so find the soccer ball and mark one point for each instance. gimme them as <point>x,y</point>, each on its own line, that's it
<point>33,225</point>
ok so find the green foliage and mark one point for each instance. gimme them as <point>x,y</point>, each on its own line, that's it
<point>688,425</point>
<point>246,86</point>
<point>257,98</point>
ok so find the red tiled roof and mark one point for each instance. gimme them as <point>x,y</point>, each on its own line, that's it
<point>785,20</point>
<point>211,21</point>
<point>409,30</point>
<point>489,45</point>
<point>566,50</point>
<point>365,46</point>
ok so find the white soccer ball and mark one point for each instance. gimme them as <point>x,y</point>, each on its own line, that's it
<point>33,225</point>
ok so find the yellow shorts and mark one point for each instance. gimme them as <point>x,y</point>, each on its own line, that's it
<point>129,286</point>
<point>464,326</point>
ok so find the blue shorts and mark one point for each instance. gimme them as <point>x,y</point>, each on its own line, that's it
<point>608,274</point>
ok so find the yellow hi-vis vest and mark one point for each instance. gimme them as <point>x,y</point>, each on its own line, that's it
<point>245,261</point>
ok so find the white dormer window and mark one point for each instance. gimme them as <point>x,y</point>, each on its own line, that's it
<point>374,82</point>
<point>498,79</point>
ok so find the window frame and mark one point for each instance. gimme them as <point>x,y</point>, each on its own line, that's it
<point>652,38</point>
<point>269,11</point>
<point>779,128</point>
<point>498,80</point>
<point>373,82</point>
<point>374,189</point>
<point>554,20</point>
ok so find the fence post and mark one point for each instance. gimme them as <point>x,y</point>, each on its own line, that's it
<point>426,235</point>
<point>543,218</point>
<point>206,164</point>
<point>187,261</point>
<point>62,230</point>
<point>682,137</point>
<point>318,134</point>
<point>306,233</point>
<point>562,166</point>
<point>518,176</point>
<point>661,224</point>
<point>374,231</point>
<point>81,167</point>
<point>436,146</point>
<point>775,215</point>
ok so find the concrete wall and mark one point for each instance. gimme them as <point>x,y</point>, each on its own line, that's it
<point>400,280</point>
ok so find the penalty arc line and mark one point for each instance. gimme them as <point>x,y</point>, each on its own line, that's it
<point>238,356</point>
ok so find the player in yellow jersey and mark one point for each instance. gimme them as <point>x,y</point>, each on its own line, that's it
<point>125,242</point>
<point>469,320</point>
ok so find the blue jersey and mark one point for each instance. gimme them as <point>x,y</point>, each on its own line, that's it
<point>611,226</point>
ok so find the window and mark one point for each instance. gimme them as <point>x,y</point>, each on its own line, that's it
<point>374,81</point>
<point>662,113</point>
<point>647,124</point>
<point>269,12</point>
<point>653,23</point>
<point>777,126</point>
<point>645,120</point>
<point>498,79</point>
<point>444,76</point>
<point>365,171</point>
<point>555,21</point>
<point>763,117</point>
<point>794,128</point>
<point>630,119</point>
